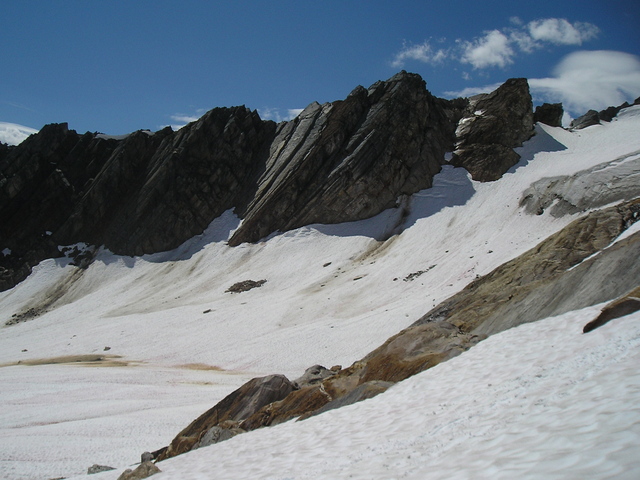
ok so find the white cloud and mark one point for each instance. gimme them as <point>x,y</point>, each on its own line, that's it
<point>499,47</point>
<point>13,134</point>
<point>275,115</point>
<point>179,117</point>
<point>492,50</point>
<point>586,80</point>
<point>471,91</point>
<point>294,112</point>
<point>560,32</point>
<point>422,53</point>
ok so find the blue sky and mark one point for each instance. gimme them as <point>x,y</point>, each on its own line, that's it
<point>119,66</point>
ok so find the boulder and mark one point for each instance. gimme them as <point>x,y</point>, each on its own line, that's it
<point>549,114</point>
<point>492,125</point>
<point>143,470</point>
<point>98,468</point>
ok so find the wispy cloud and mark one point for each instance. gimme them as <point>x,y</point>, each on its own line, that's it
<point>498,48</point>
<point>13,134</point>
<point>179,120</point>
<point>422,53</point>
<point>274,114</point>
<point>560,32</point>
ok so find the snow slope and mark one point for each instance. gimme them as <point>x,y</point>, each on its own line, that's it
<point>333,293</point>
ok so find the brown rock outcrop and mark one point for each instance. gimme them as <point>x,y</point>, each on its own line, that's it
<point>620,307</point>
<point>237,406</point>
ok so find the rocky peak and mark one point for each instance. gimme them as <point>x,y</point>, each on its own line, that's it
<point>492,125</point>
<point>341,161</point>
<point>352,158</point>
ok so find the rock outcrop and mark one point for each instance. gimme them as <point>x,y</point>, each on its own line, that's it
<point>592,188</point>
<point>549,114</point>
<point>351,159</point>
<point>341,161</point>
<point>577,267</point>
<point>144,470</point>
<point>593,117</point>
<point>620,307</point>
<point>492,126</point>
<point>227,414</point>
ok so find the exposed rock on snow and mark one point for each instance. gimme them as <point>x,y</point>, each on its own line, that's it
<point>235,407</point>
<point>351,159</point>
<point>492,126</point>
<point>549,114</point>
<point>144,470</point>
<point>620,307</point>
<point>98,468</point>
<point>245,286</point>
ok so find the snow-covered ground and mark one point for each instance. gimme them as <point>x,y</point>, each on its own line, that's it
<point>539,401</point>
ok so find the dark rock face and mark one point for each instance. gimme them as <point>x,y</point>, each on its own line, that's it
<point>156,193</point>
<point>341,161</point>
<point>586,120</point>
<point>351,159</point>
<point>493,124</point>
<point>549,114</point>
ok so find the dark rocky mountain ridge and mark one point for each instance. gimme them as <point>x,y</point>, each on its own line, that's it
<point>341,161</point>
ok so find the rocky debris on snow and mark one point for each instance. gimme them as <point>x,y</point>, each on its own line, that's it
<point>549,114</point>
<point>620,307</point>
<point>95,468</point>
<point>244,286</point>
<point>492,126</point>
<point>235,407</point>
<point>412,276</point>
<point>144,470</point>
